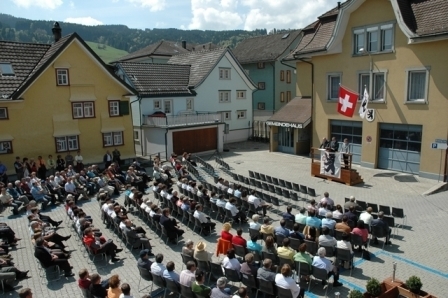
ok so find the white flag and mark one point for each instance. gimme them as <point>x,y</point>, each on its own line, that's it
<point>363,107</point>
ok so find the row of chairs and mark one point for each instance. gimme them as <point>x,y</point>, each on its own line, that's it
<point>207,167</point>
<point>222,163</point>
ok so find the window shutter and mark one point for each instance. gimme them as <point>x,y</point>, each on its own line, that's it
<point>124,108</point>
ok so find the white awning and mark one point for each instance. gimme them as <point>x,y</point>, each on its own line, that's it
<point>111,124</point>
<point>6,137</point>
<point>82,93</point>
<point>63,126</point>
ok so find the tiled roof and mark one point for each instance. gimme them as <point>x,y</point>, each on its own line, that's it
<point>24,57</point>
<point>425,17</point>
<point>298,110</point>
<point>158,79</point>
<point>202,63</point>
<point>161,48</point>
<point>265,48</point>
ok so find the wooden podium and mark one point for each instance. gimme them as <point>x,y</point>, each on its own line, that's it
<point>349,176</point>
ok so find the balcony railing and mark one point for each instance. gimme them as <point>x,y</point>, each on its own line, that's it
<point>182,120</point>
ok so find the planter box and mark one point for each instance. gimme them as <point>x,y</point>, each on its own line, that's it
<point>387,291</point>
<point>405,293</point>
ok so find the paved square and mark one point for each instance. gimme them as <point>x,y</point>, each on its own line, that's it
<point>418,249</point>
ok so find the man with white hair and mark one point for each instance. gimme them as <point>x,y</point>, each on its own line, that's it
<point>352,202</point>
<point>321,262</point>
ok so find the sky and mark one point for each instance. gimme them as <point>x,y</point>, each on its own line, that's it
<point>181,14</point>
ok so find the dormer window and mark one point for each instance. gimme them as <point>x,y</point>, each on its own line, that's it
<point>373,39</point>
<point>62,77</point>
<point>6,69</point>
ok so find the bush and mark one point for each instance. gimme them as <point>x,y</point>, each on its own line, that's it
<point>373,287</point>
<point>355,294</point>
<point>414,284</point>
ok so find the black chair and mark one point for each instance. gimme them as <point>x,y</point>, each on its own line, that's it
<point>265,186</point>
<point>205,266</point>
<point>320,274</point>
<point>158,281</point>
<point>250,282</point>
<point>311,247</point>
<point>268,179</point>
<point>329,251</point>
<point>378,233</point>
<point>279,239</point>
<point>257,175</point>
<point>390,222</point>
<point>373,206</point>
<point>263,177</point>
<point>186,259</point>
<point>311,192</point>
<point>267,287</point>
<point>186,291</point>
<point>303,191</point>
<point>283,261</point>
<point>303,269</point>
<point>284,293</point>
<point>290,224</point>
<point>240,251</point>
<point>362,204</point>
<point>385,209</point>
<point>275,181</point>
<point>399,213</point>
<point>251,174</point>
<point>346,256</point>
<point>356,240</point>
<point>253,233</point>
<point>288,185</point>
<point>271,256</point>
<point>286,194</point>
<point>271,188</point>
<point>173,286</point>
<point>296,187</point>
<point>281,183</point>
<point>294,243</point>
<point>216,270</point>
<point>338,234</point>
<point>232,275</point>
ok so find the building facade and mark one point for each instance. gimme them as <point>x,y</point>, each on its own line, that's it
<point>61,98</point>
<point>396,50</point>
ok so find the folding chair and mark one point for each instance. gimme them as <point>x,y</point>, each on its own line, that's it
<point>250,282</point>
<point>267,287</point>
<point>159,281</point>
<point>281,183</point>
<point>385,209</point>
<point>378,233</point>
<point>399,213</point>
<point>320,274</point>
<point>373,206</point>
<point>145,275</point>
<point>346,256</point>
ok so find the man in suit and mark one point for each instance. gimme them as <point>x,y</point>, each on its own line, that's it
<point>135,238</point>
<point>48,259</point>
<point>143,262</point>
<point>382,224</point>
<point>170,226</point>
<point>107,159</point>
<point>334,145</point>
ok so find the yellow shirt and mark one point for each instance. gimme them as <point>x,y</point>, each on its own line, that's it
<point>113,293</point>
<point>267,229</point>
<point>286,252</point>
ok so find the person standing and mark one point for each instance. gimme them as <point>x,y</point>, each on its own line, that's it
<point>78,162</point>
<point>324,144</point>
<point>41,168</point>
<point>107,159</point>
<point>334,145</point>
<point>60,163</point>
<point>345,149</point>
<point>18,166</point>
<point>116,156</point>
<point>51,163</point>
<point>69,159</point>
<point>3,175</point>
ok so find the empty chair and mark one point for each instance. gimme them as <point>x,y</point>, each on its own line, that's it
<point>303,191</point>
<point>296,187</point>
<point>390,222</point>
<point>173,286</point>
<point>251,174</point>
<point>253,233</point>
<point>232,275</point>
<point>279,191</point>
<point>281,183</point>
<point>385,209</point>
<point>399,213</point>
<point>186,291</point>
<point>288,185</point>
<point>216,270</point>
<point>294,243</point>
<point>362,204</point>
<point>268,179</point>
<point>311,192</point>
<point>290,224</point>
<point>263,177</point>
<point>346,200</point>
<point>240,251</point>
<point>271,188</point>
<point>257,175</point>
<point>286,194</point>
<point>373,206</point>
<point>265,186</point>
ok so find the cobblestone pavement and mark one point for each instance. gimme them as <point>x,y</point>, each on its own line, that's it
<point>418,248</point>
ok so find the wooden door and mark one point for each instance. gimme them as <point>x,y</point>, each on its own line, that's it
<point>194,141</point>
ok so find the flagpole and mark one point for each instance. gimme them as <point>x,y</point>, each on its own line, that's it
<point>351,90</point>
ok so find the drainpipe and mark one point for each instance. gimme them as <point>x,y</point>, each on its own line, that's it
<point>139,99</point>
<point>273,83</point>
<point>166,143</point>
<point>312,97</point>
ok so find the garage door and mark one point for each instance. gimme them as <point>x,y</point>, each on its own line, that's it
<point>194,141</point>
<point>400,146</point>
<point>351,130</point>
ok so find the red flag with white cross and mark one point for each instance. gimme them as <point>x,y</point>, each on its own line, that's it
<point>347,101</point>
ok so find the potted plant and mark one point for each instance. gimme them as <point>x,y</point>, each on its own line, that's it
<point>373,287</point>
<point>414,284</point>
<point>355,294</point>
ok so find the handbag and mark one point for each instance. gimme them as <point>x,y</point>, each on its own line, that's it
<point>366,255</point>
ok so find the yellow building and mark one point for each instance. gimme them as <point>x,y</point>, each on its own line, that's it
<point>59,98</point>
<point>397,51</point>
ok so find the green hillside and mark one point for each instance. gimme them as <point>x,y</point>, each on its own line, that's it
<point>106,53</point>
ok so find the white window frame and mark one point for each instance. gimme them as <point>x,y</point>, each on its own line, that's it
<point>168,103</point>
<point>70,143</point>
<point>329,77</point>
<point>240,94</point>
<point>409,72</point>
<point>241,114</point>
<point>136,135</point>
<point>190,104</point>
<point>372,77</point>
<point>367,32</point>
<point>261,106</point>
<point>224,96</point>
<point>113,139</point>
<point>224,73</point>
<point>62,77</point>
<point>157,104</point>
<point>5,113</point>
<point>6,147</point>
<point>114,108</point>
<point>83,109</point>
<point>227,115</point>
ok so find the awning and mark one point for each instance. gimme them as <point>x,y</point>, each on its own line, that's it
<point>64,125</point>
<point>111,124</point>
<point>6,137</point>
<point>295,114</point>
<point>82,93</point>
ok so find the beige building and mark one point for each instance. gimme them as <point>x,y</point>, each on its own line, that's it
<point>397,50</point>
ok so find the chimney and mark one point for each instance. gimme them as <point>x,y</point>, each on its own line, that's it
<point>56,31</point>
<point>184,44</point>
<point>339,5</point>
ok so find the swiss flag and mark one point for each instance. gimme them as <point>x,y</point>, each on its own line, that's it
<point>347,102</point>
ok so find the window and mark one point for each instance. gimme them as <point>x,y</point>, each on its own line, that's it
<point>378,92</point>
<point>114,108</point>
<point>190,104</point>
<point>240,94</point>
<point>260,65</point>
<point>282,96</point>
<point>68,143</point>
<point>261,85</point>
<point>288,76</point>
<point>373,38</point>
<point>83,109</point>
<point>417,85</point>
<point>241,114</point>
<point>157,105</point>
<point>3,113</point>
<point>261,106</point>
<point>167,104</point>
<point>6,69</point>
<point>282,75</point>
<point>288,96</point>
<point>334,80</point>
<point>62,77</point>
<point>224,73</point>
<point>5,147</point>
<point>227,115</point>
<point>113,139</point>
<point>224,96</point>
<point>136,135</point>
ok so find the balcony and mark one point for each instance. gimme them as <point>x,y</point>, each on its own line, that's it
<point>181,120</point>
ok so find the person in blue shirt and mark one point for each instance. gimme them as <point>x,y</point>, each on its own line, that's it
<point>3,176</point>
<point>252,245</point>
<point>287,215</point>
<point>169,272</point>
<point>39,196</point>
<point>282,230</point>
<point>312,220</point>
<point>237,192</point>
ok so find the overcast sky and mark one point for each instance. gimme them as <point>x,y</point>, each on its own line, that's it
<point>182,14</point>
